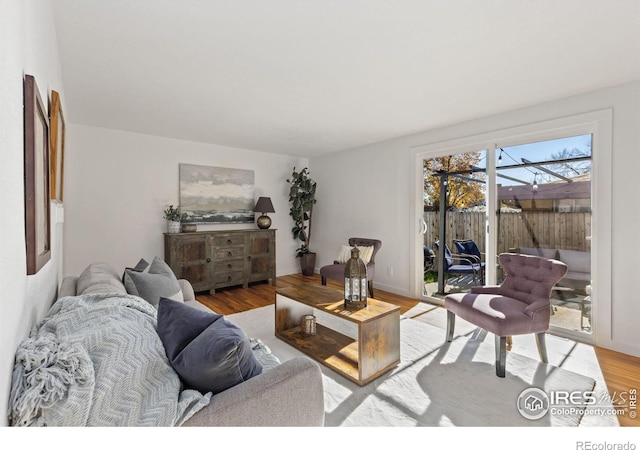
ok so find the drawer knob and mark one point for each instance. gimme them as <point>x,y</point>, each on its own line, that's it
<point>228,241</point>
<point>208,260</point>
<point>229,254</point>
<point>229,266</point>
<point>229,278</point>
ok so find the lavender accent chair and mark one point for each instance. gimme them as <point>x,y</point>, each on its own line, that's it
<point>335,271</point>
<point>520,305</point>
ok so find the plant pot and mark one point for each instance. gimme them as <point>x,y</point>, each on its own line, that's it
<point>307,263</point>
<point>189,227</point>
<point>173,227</point>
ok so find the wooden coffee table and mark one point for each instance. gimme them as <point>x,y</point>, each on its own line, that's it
<point>361,359</point>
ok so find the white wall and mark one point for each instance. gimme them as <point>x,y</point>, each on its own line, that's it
<point>382,173</point>
<point>117,185</point>
<point>28,45</point>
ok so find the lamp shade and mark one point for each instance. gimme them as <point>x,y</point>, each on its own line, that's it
<point>264,205</point>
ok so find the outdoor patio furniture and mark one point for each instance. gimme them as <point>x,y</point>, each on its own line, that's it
<point>520,305</point>
<point>585,311</point>
<point>468,248</point>
<point>459,265</point>
<point>429,258</point>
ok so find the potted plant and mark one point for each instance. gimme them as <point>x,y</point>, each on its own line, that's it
<point>302,197</point>
<point>173,216</point>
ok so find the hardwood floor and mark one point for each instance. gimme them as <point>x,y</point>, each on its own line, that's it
<point>621,372</point>
<point>234,300</point>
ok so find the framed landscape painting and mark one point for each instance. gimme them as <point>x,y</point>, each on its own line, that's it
<point>56,151</point>
<point>36,178</point>
<point>216,195</point>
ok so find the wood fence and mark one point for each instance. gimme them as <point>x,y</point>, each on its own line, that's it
<point>543,229</point>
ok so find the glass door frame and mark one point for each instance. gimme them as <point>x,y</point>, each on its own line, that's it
<point>599,125</point>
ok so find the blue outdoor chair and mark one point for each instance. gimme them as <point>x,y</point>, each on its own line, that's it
<point>459,265</point>
<point>469,249</point>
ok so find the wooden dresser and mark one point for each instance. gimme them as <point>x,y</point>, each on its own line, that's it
<point>216,259</point>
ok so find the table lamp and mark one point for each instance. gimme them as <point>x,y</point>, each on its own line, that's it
<point>264,206</point>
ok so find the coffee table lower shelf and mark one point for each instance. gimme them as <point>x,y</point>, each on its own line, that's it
<point>333,349</point>
<point>370,347</point>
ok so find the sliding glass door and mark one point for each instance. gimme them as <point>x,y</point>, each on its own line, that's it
<point>531,198</point>
<point>544,193</point>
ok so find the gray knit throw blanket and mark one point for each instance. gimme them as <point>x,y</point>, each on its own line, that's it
<point>97,360</point>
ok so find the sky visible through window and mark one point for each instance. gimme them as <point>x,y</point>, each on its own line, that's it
<point>570,147</point>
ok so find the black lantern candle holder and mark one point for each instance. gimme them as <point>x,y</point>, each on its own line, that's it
<point>355,281</point>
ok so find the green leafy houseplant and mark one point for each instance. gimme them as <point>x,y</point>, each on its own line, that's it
<point>302,197</point>
<point>174,214</point>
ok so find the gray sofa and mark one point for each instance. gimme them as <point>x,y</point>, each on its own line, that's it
<point>284,394</point>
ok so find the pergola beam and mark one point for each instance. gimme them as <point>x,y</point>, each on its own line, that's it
<point>550,172</point>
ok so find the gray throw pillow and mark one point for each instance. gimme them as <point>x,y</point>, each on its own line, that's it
<point>140,267</point>
<point>158,281</point>
<point>209,353</point>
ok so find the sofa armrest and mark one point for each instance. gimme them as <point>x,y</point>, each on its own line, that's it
<point>187,290</point>
<point>290,394</point>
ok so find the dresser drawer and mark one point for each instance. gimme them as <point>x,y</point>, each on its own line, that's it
<point>232,265</point>
<point>228,240</point>
<point>229,278</point>
<point>221,254</point>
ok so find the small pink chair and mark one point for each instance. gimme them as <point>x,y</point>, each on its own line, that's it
<point>520,305</point>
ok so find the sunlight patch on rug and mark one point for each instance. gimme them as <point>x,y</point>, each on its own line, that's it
<point>436,384</point>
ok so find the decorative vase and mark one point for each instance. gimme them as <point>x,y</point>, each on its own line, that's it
<point>173,227</point>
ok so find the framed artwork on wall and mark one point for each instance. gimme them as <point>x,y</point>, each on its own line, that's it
<point>216,195</point>
<point>56,147</point>
<point>36,178</point>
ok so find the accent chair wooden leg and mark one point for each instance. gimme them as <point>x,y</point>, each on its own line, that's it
<point>323,280</point>
<point>542,347</point>
<point>501,355</point>
<point>451,324</point>
<point>370,283</point>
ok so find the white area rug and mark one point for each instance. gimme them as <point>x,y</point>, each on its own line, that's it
<point>437,384</point>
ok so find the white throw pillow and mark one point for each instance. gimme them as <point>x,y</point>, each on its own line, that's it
<point>345,254</point>
<point>365,253</point>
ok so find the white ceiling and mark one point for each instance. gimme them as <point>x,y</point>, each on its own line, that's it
<point>308,77</point>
